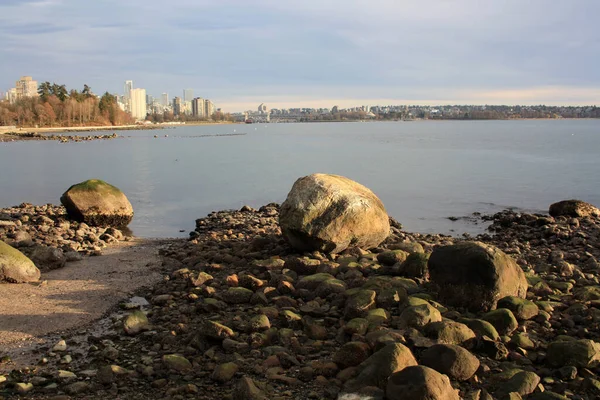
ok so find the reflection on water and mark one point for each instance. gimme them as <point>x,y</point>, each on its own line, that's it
<point>424,172</point>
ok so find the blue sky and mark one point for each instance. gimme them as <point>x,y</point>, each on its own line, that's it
<point>311,53</point>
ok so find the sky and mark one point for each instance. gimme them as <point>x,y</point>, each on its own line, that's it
<point>310,53</point>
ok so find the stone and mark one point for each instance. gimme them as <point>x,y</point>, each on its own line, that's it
<point>237,295</point>
<point>15,267</point>
<point>418,316</point>
<point>351,354</point>
<point>356,326</point>
<point>481,328</point>
<point>582,353</point>
<point>177,362</point>
<point>312,282</point>
<point>77,388</point>
<point>475,275</point>
<point>409,247</point>
<point>215,330</point>
<point>456,362</point>
<point>503,320</point>
<point>47,258</point>
<point>415,266</point>
<point>225,372</point>
<point>574,208</point>
<point>330,213</point>
<point>135,323</point>
<point>246,390</point>
<point>450,332</point>
<point>420,383</point>
<point>61,345</point>
<point>259,323</point>
<point>376,369</point>
<point>97,203</point>
<point>392,257</point>
<point>302,265</point>
<point>358,305</point>
<point>523,309</point>
<point>523,383</point>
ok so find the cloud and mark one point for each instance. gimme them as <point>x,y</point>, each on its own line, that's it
<point>310,50</point>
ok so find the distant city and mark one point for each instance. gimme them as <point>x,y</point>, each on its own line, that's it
<point>143,107</point>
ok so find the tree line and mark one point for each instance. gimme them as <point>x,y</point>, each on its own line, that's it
<point>57,106</point>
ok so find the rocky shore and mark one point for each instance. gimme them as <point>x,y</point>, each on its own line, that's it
<point>241,314</point>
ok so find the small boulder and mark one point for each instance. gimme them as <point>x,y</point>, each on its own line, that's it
<point>246,390</point>
<point>503,320</point>
<point>15,267</point>
<point>418,316</point>
<point>450,332</point>
<point>574,208</point>
<point>452,360</point>
<point>330,213</point>
<point>97,203</point>
<point>475,275</point>
<point>523,309</point>
<point>352,354</point>
<point>578,353</point>
<point>225,372</point>
<point>358,305</point>
<point>376,369</point>
<point>47,258</point>
<point>177,362</point>
<point>420,383</point>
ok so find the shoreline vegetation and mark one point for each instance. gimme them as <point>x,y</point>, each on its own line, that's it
<point>241,314</point>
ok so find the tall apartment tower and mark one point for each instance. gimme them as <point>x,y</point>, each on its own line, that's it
<point>188,95</point>
<point>138,104</point>
<point>209,108</point>
<point>177,106</point>
<point>198,107</point>
<point>26,87</point>
<point>165,99</point>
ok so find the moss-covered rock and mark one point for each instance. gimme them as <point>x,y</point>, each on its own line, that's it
<point>523,309</point>
<point>15,267</point>
<point>503,320</point>
<point>97,203</point>
<point>578,353</point>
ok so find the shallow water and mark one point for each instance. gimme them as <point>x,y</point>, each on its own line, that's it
<point>423,171</point>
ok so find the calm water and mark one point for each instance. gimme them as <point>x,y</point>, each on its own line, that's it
<point>424,172</point>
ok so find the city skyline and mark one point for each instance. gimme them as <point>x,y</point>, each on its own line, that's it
<point>311,53</point>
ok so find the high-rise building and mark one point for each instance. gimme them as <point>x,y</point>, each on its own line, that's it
<point>165,99</point>
<point>127,88</point>
<point>11,95</point>
<point>177,106</point>
<point>209,108</point>
<point>26,87</point>
<point>198,107</point>
<point>149,99</point>
<point>262,108</point>
<point>138,104</point>
<point>188,94</point>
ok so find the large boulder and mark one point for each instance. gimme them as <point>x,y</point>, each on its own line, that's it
<point>15,267</point>
<point>330,213</point>
<point>574,208</point>
<point>97,203</point>
<point>475,275</point>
